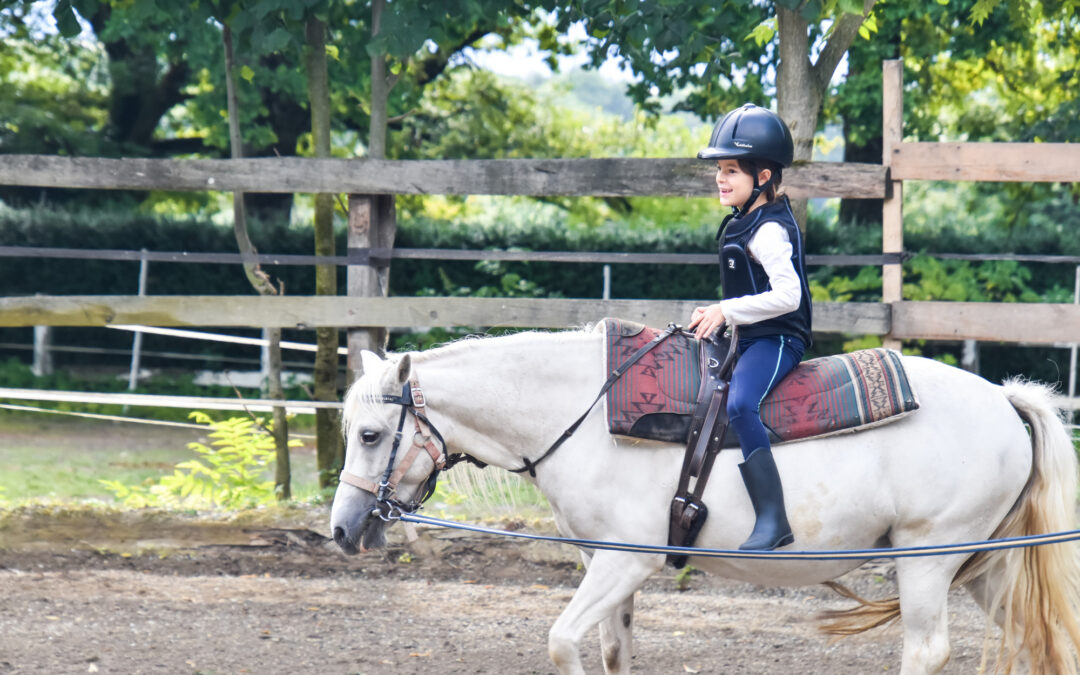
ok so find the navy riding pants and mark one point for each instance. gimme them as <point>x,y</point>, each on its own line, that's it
<point>763,362</point>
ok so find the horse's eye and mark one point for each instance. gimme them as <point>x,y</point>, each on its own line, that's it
<point>369,437</point>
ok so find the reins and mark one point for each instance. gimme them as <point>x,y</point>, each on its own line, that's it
<point>530,466</point>
<point>412,400</point>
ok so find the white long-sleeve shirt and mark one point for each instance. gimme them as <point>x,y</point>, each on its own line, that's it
<point>771,247</point>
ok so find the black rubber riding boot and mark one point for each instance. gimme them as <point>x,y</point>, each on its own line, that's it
<point>767,495</point>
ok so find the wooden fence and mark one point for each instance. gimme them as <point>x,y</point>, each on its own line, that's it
<point>371,185</point>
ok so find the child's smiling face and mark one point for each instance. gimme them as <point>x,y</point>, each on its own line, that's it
<point>734,184</point>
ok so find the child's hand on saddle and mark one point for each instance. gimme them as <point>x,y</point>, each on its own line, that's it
<point>705,320</point>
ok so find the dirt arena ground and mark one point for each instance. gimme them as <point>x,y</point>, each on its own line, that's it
<point>111,592</point>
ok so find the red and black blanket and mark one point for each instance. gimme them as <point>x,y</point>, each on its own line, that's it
<point>819,397</point>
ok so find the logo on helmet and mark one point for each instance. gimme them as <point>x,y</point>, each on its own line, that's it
<point>740,144</point>
<point>731,263</point>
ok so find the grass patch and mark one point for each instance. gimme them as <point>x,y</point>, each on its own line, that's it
<point>51,458</point>
<point>33,471</point>
<point>51,461</point>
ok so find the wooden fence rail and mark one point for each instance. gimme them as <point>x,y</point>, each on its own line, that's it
<point>351,312</point>
<point>615,177</point>
<point>1031,323</point>
<point>1005,162</point>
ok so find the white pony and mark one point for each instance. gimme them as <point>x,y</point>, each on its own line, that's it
<point>963,468</point>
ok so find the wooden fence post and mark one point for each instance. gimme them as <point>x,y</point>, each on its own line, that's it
<point>892,216</point>
<point>372,225</point>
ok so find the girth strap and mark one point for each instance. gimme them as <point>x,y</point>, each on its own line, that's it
<point>530,465</point>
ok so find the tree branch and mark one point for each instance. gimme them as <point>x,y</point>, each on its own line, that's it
<point>433,65</point>
<point>843,34</point>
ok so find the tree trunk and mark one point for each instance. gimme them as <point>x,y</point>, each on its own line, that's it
<point>261,282</point>
<point>145,84</point>
<point>380,90</point>
<point>801,85</point>
<point>798,100</point>
<point>328,452</point>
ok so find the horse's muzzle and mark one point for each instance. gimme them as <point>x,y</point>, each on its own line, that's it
<point>348,547</point>
<point>355,528</point>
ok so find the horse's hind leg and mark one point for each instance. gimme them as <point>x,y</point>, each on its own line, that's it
<point>986,589</point>
<point>924,588</point>
<point>607,589</point>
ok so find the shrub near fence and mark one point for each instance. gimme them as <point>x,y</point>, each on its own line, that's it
<point>131,231</point>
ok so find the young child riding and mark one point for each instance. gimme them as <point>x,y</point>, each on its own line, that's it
<point>765,294</point>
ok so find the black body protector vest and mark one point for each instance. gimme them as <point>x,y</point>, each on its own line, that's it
<point>742,275</point>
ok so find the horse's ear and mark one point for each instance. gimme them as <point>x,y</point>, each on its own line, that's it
<point>404,369</point>
<point>370,361</point>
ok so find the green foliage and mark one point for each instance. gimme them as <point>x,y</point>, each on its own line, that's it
<point>507,284</point>
<point>52,95</point>
<point>972,73</point>
<point>673,46</point>
<point>928,278</point>
<point>682,578</point>
<point>477,114</point>
<point>551,232</point>
<point>865,286</point>
<point>230,473</point>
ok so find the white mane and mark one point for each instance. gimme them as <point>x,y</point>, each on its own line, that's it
<point>363,397</point>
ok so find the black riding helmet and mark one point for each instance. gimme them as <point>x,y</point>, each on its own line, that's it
<point>751,132</point>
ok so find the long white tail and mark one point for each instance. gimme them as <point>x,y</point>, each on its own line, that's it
<point>1037,589</point>
<point>1034,593</point>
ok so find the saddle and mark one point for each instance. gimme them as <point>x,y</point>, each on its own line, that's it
<point>676,391</point>
<point>655,399</point>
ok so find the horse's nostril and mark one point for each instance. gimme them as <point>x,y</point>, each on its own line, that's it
<point>339,535</point>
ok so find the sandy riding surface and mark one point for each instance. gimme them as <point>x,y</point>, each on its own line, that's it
<point>115,593</point>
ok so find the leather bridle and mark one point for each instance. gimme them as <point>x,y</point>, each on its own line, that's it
<point>387,507</point>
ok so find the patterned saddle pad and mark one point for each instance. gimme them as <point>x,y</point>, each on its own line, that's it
<point>823,396</point>
<point>656,397</point>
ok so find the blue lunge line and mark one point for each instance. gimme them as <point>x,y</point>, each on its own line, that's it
<point>910,552</point>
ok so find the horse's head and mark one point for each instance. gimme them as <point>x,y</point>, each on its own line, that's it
<point>384,429</point>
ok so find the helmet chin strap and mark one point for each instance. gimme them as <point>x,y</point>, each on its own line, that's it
<point>754,194</point>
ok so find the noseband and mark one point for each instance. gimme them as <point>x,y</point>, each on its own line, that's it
<point>386,506</point>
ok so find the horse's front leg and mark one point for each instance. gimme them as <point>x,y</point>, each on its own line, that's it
<point>606,593</point>
<point>617,638</point>
<point>616,633</point>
